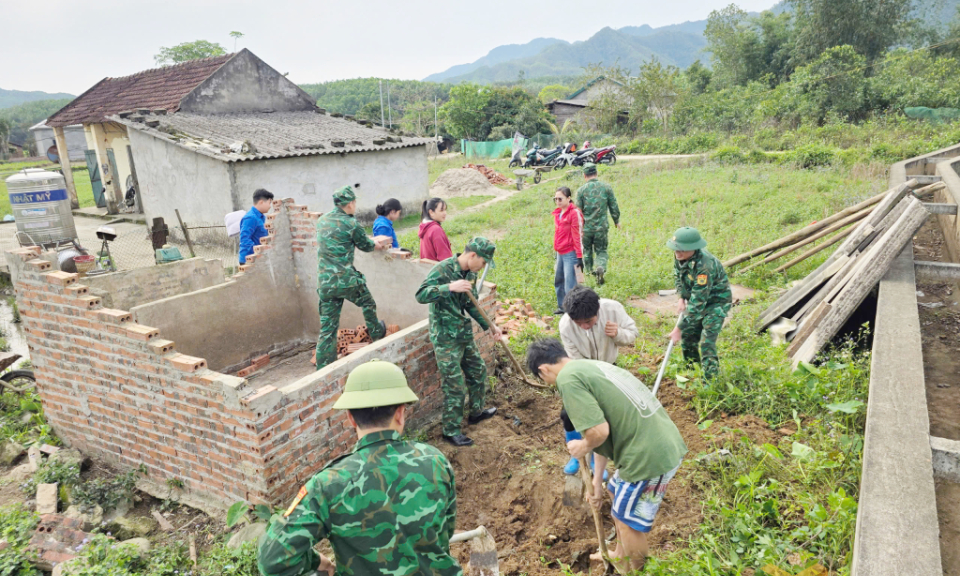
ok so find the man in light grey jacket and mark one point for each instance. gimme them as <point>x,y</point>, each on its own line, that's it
<point>592,329</point>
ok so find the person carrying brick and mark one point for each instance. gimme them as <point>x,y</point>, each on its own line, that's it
<point>705,299</point>
<point>387,507</point>
<point>620,420</point>
<point>338,236</point>
<point>595,199</point>
<point>462,369</point>
<point>252,225</point>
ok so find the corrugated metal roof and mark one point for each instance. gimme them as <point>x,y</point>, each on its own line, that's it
<point>160,88</point>
<point>266,135</point>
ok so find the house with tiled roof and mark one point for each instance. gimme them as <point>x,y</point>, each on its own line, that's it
<point>573,106</point>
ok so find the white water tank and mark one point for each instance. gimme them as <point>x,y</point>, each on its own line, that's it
<point>41,207</point>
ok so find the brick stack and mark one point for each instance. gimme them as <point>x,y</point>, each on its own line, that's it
<point>513,315</point>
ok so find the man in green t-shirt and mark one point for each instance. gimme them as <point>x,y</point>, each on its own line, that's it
<point>621,420</point>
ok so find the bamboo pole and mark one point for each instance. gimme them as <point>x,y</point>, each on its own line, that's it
<point>809,239</point>
<point>804,232</point>
<point>816,249</point>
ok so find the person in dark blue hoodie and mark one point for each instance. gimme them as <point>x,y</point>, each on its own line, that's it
<point>252,227</point>
<point>387,214</point>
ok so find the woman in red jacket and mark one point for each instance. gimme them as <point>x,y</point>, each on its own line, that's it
<point>434,244</point>
<point>568,221</point>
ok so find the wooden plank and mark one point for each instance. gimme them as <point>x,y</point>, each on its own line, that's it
<point>872,267</point>
<point>804,330</point>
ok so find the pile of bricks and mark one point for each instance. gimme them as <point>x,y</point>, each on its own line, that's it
<point>258,363</point>
<point>512,315</point>
<point>492,175</point>
<point>351,340</point>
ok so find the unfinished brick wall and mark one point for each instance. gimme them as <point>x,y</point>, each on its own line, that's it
<point>119,391</point>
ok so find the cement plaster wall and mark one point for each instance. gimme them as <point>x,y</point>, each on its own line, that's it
<point>311,180</point>
<point>246,83</point>
<point>173,178</point>
<point>124,290</point>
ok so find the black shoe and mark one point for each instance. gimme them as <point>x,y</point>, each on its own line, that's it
<point>558,312</point>
<point>458,440</point>
<point>481,415</point>
<point>383,330</point>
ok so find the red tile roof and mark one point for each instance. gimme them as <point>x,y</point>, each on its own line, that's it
<point>154,89</point>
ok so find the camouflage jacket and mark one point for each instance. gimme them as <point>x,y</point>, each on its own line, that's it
<point>338,234</point>
<point>594,199</point>
<point>702,282</point>
<point>450,312</point>
<point>387,508</point>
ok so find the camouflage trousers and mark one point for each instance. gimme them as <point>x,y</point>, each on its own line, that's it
<point>331,302</point>
<point>699,339</point>
<point>462,372</point>
<point>595,242</point>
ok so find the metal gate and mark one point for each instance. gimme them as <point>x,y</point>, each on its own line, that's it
<point>95,182</point>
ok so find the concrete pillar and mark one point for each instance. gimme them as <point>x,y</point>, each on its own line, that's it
<point>64,154</point>
<point>106,171</point>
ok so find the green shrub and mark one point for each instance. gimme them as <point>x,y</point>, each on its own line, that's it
<point>728,155</point>
<point>107,492</point>
<point>16,528</point>
<point>814,155</point>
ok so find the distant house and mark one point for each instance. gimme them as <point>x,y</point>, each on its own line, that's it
<point>203,135</point>
<point>572,106</point>
<point>76,140</point>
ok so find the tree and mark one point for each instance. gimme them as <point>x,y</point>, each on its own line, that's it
<point>4,137</point>
<point>834,82</point>
<point>553,92</point>
<point>463,114</point>
<point>236,36</point>
<point>731,42</point>
<point>870,27</point>
<point>698,77</point>
<point>655,91</point>
<point>188,51</point>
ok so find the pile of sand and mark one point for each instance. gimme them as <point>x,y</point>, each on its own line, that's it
<point>463,182</point>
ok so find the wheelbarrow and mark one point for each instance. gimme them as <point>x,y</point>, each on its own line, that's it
<point>536,172</point>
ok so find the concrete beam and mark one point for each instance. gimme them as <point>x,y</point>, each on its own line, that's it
<point>946,458</point>
<point>936,271</point>
<point>924,179</point>
<point>938,208</point>
<point>896,450</point>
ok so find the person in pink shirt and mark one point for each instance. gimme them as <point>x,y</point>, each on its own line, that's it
<point>568,221</point>
<point>434,244</point>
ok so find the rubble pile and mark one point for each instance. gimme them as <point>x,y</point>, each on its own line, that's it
<point>513,314</point>
<point>492,175</point>
<point>351,340</point>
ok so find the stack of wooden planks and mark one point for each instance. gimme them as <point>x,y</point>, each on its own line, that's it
<point>820,304</point>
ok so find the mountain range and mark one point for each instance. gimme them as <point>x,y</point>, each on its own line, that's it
<point>10,98</point>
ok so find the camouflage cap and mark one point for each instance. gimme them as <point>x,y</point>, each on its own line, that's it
<point>589,169</point>
<point>686,238</point>
<point>483,248</point>
<point>344,196</point>
<point>373,384</point>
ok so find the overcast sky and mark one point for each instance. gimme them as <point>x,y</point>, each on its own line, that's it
<point>67,46</point>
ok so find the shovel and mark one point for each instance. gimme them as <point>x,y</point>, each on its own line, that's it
<point>513,359</point>
<point>483,551</point>
<point>666,356</point>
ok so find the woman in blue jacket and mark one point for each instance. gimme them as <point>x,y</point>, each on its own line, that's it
<point>387,214</point>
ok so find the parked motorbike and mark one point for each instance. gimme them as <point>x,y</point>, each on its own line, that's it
<point>517,159</point>
<point>606,155</point>
<point>541,157</point>
<point>583,156</point>
<point>567,156</point>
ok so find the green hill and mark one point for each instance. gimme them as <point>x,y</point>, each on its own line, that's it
<point>10,98</point>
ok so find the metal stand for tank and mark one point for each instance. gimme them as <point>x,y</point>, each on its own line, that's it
<point>105,247</point>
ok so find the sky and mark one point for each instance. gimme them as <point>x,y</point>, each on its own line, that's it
<point>67,46</point>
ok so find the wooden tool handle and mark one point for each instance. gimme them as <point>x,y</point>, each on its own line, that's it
<point>588,484</point>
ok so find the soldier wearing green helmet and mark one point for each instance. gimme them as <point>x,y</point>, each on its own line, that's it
<point>705,299</point>
<point>338,236</point>
<point>462,369</point>
<point>388,507</point>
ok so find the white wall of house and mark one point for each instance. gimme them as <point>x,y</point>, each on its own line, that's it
<point>172,177</point>
<point>311,180</point>
<point>76,141</point>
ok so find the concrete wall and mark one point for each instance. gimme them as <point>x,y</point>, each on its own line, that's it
<point>173,178</point>
<point>246,84</point>
<point>311,180</point>
<point>76,141</point>
<point>233,322</point>
<point>124,290</point>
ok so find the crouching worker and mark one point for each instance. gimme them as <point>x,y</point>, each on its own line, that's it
<point>620,419</point>
<point>388,507</point>
<point>705,299</point>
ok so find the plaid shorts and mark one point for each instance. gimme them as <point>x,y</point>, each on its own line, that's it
<point>636,503</point>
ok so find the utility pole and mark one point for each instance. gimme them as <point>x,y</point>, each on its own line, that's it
<point>381,104</point>
<point>436,126</point>
<point>389,108</point>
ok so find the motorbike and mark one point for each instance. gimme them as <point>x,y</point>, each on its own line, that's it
<point>517,159</point>
<point>606,155</point>
<point>567,156</point>
<point>541,157</point>
<point>583,156</point>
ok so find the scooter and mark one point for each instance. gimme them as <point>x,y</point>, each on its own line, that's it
<point>543,157</point>
<point>517,159</point>
<point>583,156</point>
<point>567,156</point>
<point>606,155</point>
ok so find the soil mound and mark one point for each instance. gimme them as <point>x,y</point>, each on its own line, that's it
<point>463,182</point>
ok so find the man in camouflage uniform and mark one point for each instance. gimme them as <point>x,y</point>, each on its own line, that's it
<point>705,299</point>
<point>338,235</point>
<point>388,507</point>
<point>451,332</point>
<point>594,199</point>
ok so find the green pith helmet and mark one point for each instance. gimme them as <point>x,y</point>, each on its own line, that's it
<point>374,384</point>
<point>483,248</point>
<point>686,238</point>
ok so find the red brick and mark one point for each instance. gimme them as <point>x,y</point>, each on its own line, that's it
<point>38,265</point>
<point>59,278</point>
<point>113,316</point>
<point>140,332</point>
<point>187,363</point>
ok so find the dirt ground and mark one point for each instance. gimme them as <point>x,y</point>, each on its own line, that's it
<point>940,331</point>
<point>511,481</point>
